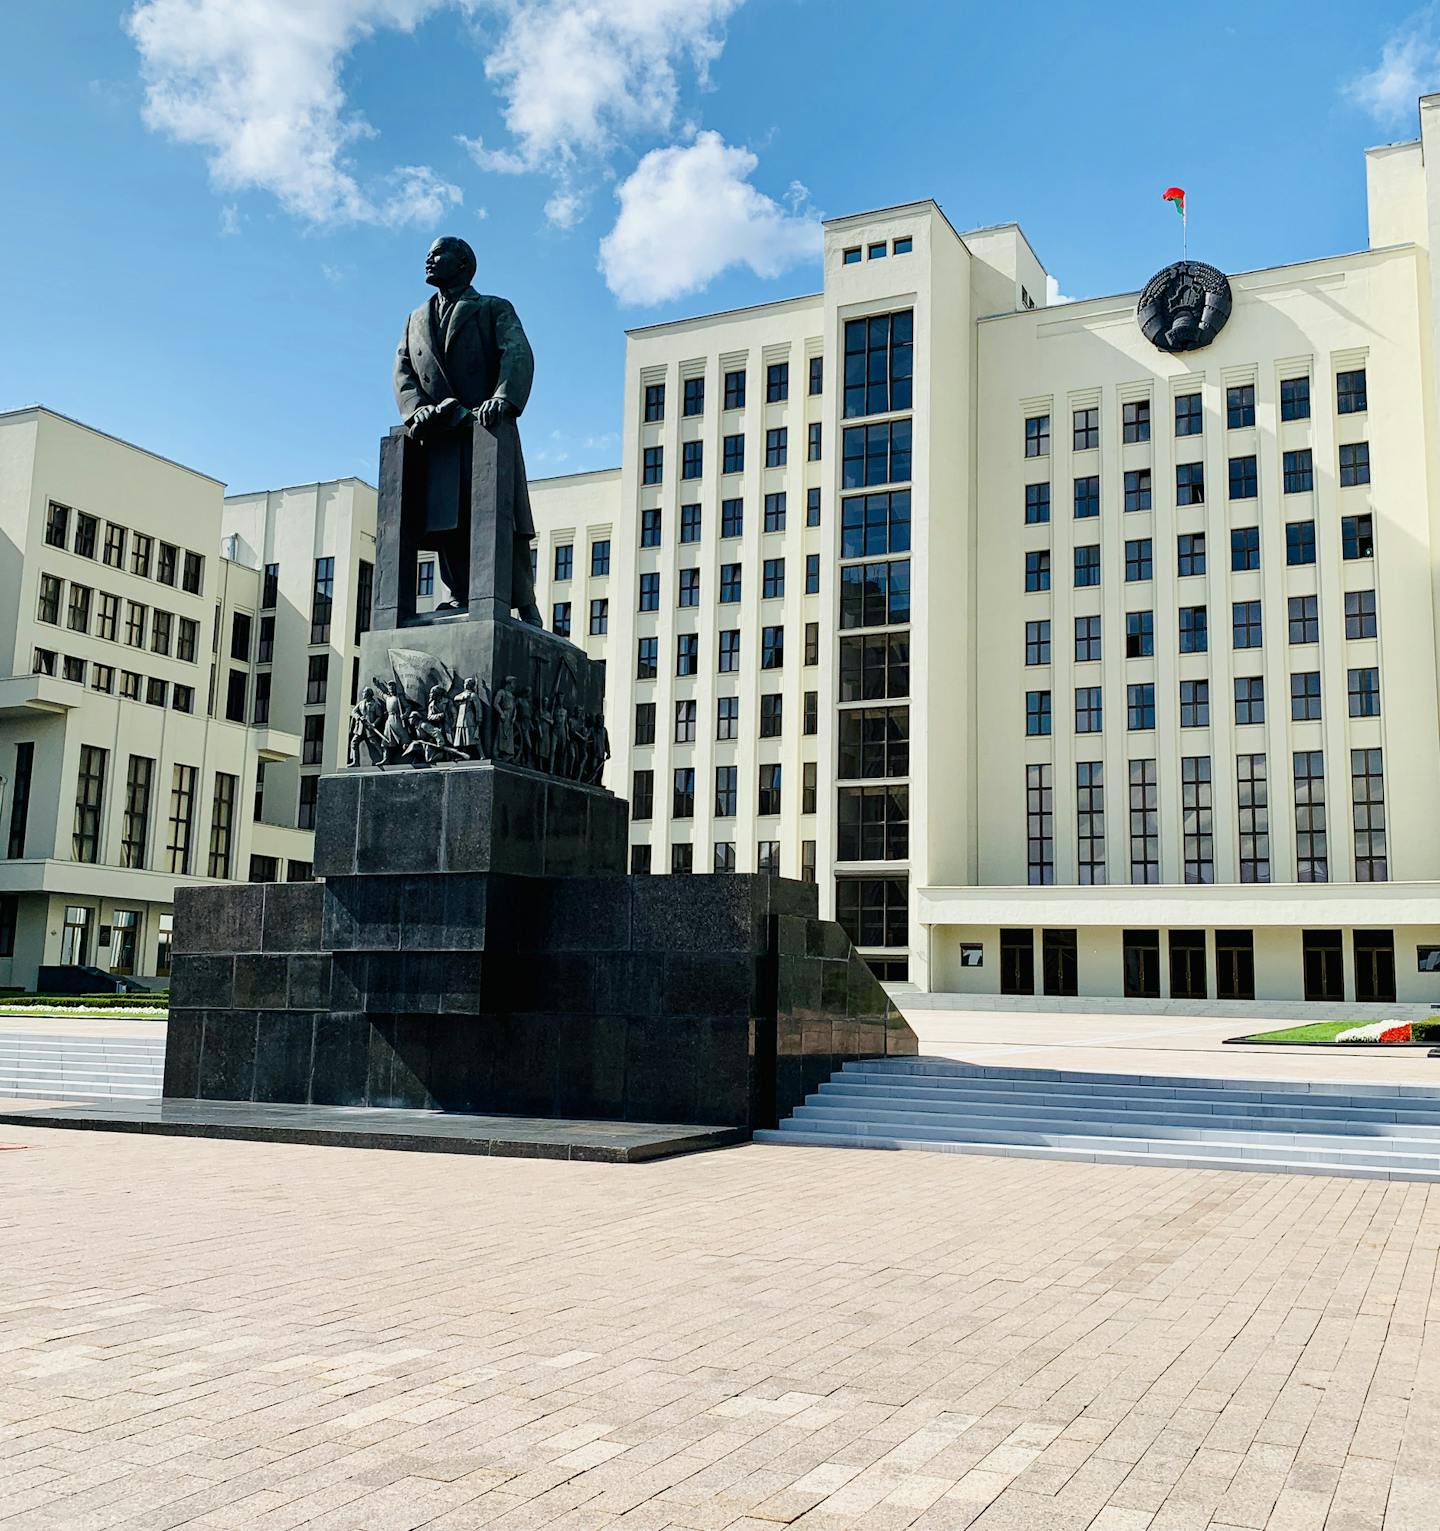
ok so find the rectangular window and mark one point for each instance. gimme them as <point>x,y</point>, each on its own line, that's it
<point>876,523</point>
<point>1139,634</point>
<point>1190,554</point>
<point>1367,795</point>
<point>1249,699</point>
<point>1304,613</point>
<point>240,636</point>
<point>1194,703</point>
<point>1135,420</point>
<point>639,859</point>
<point>235,689</point>
<point>1087,710</point>
<point>812,574</point>
<point>1357,536</point>
<point>1244,478</point>
<point>873,911</point>
<point>767,852</point>
<point>107,624</point>
<point>1037,436</point>
<point>687,654</point>
<point>874,742</point>
<point>644,723</point>
<point>1354,464</point>
<point>874,667</point>
<point>87,530</point>
<point>1364,691</point>
<point>1139,560</point>
<point>77,616</point>
<point>1087,639</point>
<point>600,558</point>
<point>730,584</point>
<point>1190,483</point>
<point>159,631</point>
<point>142,552</point>
<point>1144,822</point>
<point>600,615</point>
<point>777,447</point>
<point>769,791</point>
<point>682,858</point>
<point>1299,542</point>
<point>182,816</point>
<point>654,402</point>
<point>772,648</point>
<point>135,622</point>
<point>183,697</point>
<point>650,592</point>
<point>647,659</point>
<point>1359,613</point>
<point>650,527</point>
<point>689,587</point>
<point>685,722</point>
<point>1037,570</point>
<point>20,799</point>
<point>193,577</point>
<point>812,643</point>
<point>270,588</point>
<point>1087,496</point>
<point>1188,419</point>
<point>873,823</point>
<point>1197,818</point>
<point>560,619</point>
<point>44,662</point>
<point>73,669</point>
<point>57,525</point>
<point>1086,429</point>
<point>1087,565</point>
<point>102,678</point>
<point>1240,406</point>
<point>1140,961</point>
<point>1090,822</point>
<point>1295,398</point>
<point>817,375</point>
<point>732,454</point>
<point>642,794</point>
<point>565,561</point>
<point>1299,472</point>
<point>1305,696</point>
<point>735,390</point>
<point>772,578</point>
<point>260,705</point>
<point>812,441</point>
<point>89,803</point>
<point>726,791</point>
<point>322,600</point>
<point>1194,630</point>
<point>1037,642</point>
<point>812,507</point>
<point>1246,626</point>
<point>692,459</point>
<point>727,717</point>
<point>652,470</point>
<point>874,594</point>
<point>775,512</point>
<point>809,786</point>
<point>1137,489</point>
<point>777,382</point>
<point>879,364</point>
<point>1350,392</point>
<point>732,518</point>
<point>1039,825</point>
<point>1245,547</point>
<point>1037,713</point>
<point>694,396</point>
<point>683,797</point>
<point>1252,804</point>
<point>165,568</point>
<point>114,554</point>
<point>1312,859</point>
<point>312,746</point>
<point>48,607</point>
<point>1037,504</point>
<point>1140,706</point>
<point>689,523</point>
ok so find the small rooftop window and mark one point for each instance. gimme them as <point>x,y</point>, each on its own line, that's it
<point>851,257</point>
<point>904,246</point>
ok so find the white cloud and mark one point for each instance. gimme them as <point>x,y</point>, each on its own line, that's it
<point>1053,295</point>
<point>576,76</point>
<point>230,220</point>
<point>256,83</point>
<point>1409,68</point>
<point>565,209</point>
<point>687,213</point>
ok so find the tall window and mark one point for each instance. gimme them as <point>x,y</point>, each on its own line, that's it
<point>1299,469</point>
<point>879,363</point>
<point>1190,483</point>
<point>877,523</point>
<point>642,794</point>
<point>1197,818</point>
<point>727,717</point>
<point>1090,822</point>
<point>1357,536</point>
<point>1354,464</point>
<point>89,803</point>
<point>692,459</point>
<point>650,591</point>
<point>1144,822</point>
<point>77,617</point>
<point>560,619</point>
<point>142,553</point>
<point>1135,420</point>
<point>270,587</point>
<point>1087,639</point>
<point>1037,436</point>
<point>193,577</point>
<point>1359,613</point>
<point>689,523</point>
<point>1188,419</point>
<point>182,814</point>
<point>1295,398</point>
<point>1037,570</point>
<point>1037,642</point>
<point>735,390</point>
<point>1037,504</point>
<point>647,658</point>
<point>812,441</point>
<point>1252,804</point>
<point>772,715</point>
<point>730,584</point>
<point>1194,630</point>
<point>683,804</point>
<point>1040,824</point>
<point>1139,559</point>
<point>1246,627</point>
<point>768,800</point>
<point>872,455</point>
<point>309,801</point>
<point>48,607</point>
<point>222,822</point>
<point>1299,542</point>
<point>817,374</point>
<point>1086,435</point>
<point>1249,699</point>
<point>687,654</point>
<point>644,722</point>
<point>600,615</point>
<point>732,518</point>
<point>689,588</point>
<point>1087,496</point>
<point>321,602</point>
<point>1305,696</point>
<point>775,512</point>
<point>1137,489</point>
<point>685,722</point>
<point>1245,547</point>
<point>726,791</point>
<point>20,799</point>
<point>1190,554</point>
<point>57,524</point>
<point>1037,713</point>
<point>1312,861</point>
<point>1244,478</point>
<point>312,742</point>
<point>694,396</point>
<point>135,827</point>
<point>652,467</point>
<point>1240,406</point>
<point>777,447</point>
<point>1139,634</point>
<point>1194,703</point>
<point>654,402</point>
<point>114,551</point>
<point>1367,793</point>
<point>1350,392</point>
<point>1140,707</point>
<point>1087,710</point>
<point>777,382</point>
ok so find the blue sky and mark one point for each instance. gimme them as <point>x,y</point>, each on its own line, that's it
<point>218,209</point>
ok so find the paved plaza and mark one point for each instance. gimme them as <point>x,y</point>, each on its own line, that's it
<point>205,1334</point>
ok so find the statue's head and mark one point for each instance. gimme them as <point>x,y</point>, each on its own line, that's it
<point>450,263</point>
<point>368,694</point>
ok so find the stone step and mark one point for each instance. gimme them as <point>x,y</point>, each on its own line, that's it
<point>50,1067</point>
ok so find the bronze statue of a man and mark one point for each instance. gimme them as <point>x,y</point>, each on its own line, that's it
<point>464,356</point>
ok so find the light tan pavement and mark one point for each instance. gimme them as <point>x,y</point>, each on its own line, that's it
<point>215,1335</point>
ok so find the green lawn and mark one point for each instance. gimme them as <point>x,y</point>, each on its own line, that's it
<point>1318,1031</point>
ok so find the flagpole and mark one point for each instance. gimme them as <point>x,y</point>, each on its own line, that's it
<point>1185,226</point>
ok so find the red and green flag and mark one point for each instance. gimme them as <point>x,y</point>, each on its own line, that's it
<point>1176,196</point>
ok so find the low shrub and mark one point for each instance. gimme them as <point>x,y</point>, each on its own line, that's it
<point>159,998</point>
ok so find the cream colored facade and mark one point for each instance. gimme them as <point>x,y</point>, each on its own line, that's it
<point>1012,822</point>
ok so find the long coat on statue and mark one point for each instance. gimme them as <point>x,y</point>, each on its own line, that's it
<point>478,352</point>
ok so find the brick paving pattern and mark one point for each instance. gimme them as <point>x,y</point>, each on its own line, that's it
<point>199,1334</point>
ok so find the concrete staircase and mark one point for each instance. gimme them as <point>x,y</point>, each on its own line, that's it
<point>1378,1132</point>
<point>46,1066</point>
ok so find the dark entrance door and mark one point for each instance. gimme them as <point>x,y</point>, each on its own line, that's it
<point>1324,959</point>
<point>1060,954</point>
<point>1375,966</point>
<point>1142,964</point>
<point>1017,961</point>
<point>1187,964</point>
<point>1234,964</point>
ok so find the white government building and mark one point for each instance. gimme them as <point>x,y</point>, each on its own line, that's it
<point>1062,663</point>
